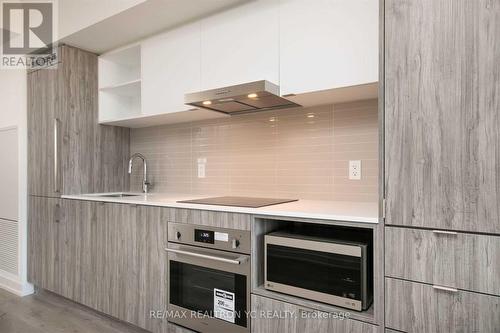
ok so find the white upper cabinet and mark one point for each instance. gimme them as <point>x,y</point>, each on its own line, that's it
<point>170,68</point>
<point>307,47</point>
<point>326,44</point>
<point>241,45</point>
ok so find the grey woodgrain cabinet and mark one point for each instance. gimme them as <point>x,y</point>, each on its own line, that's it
<point>442,123</point>
<point>109,257</point>
<point>146,265</point>
<point>442,180</point>
<point>457,260</point>
<point>417,307</point>
<point>68,152</point>
<point>115,222</point>
<point>282,317</point>
<point>79,270</point>
<point>132,270</point>
<point>61,247</point>
<point>43,95</point>
<point>45,244</point>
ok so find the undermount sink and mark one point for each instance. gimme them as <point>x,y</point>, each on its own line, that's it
<point>119,195</point>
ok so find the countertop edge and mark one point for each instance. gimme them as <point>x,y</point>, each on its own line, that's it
<point>231,209</point>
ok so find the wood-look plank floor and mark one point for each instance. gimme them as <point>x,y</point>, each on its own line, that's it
<point>48,313</point>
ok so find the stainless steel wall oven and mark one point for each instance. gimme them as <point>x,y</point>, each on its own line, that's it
<point>209,278</point>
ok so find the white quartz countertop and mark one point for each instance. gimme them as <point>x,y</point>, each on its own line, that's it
<point>364,212</point>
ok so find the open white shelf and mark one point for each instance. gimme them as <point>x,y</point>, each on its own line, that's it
<point>112,105</point>
<point>120,84</point>
<point>130,88</point>
<point>119,67</point>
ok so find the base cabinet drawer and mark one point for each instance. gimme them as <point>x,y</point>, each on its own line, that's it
<point>458,260</point>
<point>172,328</point>
<point>418,307</point>
<point>211,218</point>
<point>273,316</point>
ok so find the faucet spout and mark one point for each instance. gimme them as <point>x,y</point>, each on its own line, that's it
<point>145,183</point>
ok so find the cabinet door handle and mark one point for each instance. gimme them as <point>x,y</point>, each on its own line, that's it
<point>56,155</point>
<point>442,232</point>
<point>453,290</point>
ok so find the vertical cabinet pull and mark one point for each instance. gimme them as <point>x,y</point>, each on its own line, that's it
<point>56,155</point>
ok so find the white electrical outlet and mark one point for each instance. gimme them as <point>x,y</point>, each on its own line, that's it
<point>355,170</point>
<point>202,162</point>
<point>201,170</point>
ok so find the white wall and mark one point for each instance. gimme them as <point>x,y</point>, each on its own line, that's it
<point>12,97</point>
<point>13,114</point>
<point>75,15</point>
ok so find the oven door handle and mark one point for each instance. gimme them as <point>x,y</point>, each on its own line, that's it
<point>238,261</point>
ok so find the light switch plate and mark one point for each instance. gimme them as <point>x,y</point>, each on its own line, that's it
<point>355,170</point>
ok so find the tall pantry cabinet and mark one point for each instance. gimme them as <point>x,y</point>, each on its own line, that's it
<point>442,165</point>
<point>68,153</point>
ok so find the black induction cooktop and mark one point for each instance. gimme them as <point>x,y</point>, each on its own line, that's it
<point>248,202</point>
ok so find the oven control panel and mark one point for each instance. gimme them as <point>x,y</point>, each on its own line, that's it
<point>204,236</point>
<point>212,237</point>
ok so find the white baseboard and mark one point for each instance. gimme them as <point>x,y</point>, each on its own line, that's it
<point>12,284</point>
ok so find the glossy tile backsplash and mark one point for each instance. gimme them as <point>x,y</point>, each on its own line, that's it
<point>296,153</point>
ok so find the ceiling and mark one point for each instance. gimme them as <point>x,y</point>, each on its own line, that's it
<point>143,20</point>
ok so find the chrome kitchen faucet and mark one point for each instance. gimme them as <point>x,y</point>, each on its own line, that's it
<point>145,183</point>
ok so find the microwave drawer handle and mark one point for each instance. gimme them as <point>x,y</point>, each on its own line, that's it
<point>453,290</point>
<point>442,232</point>
<point>205,256</point>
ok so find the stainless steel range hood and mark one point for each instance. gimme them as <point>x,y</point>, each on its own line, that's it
<point>243,98</point>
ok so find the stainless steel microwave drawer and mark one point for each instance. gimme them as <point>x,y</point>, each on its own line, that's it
<point>417,307</point>
<point>452,259</point>
<point>273,316</point>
